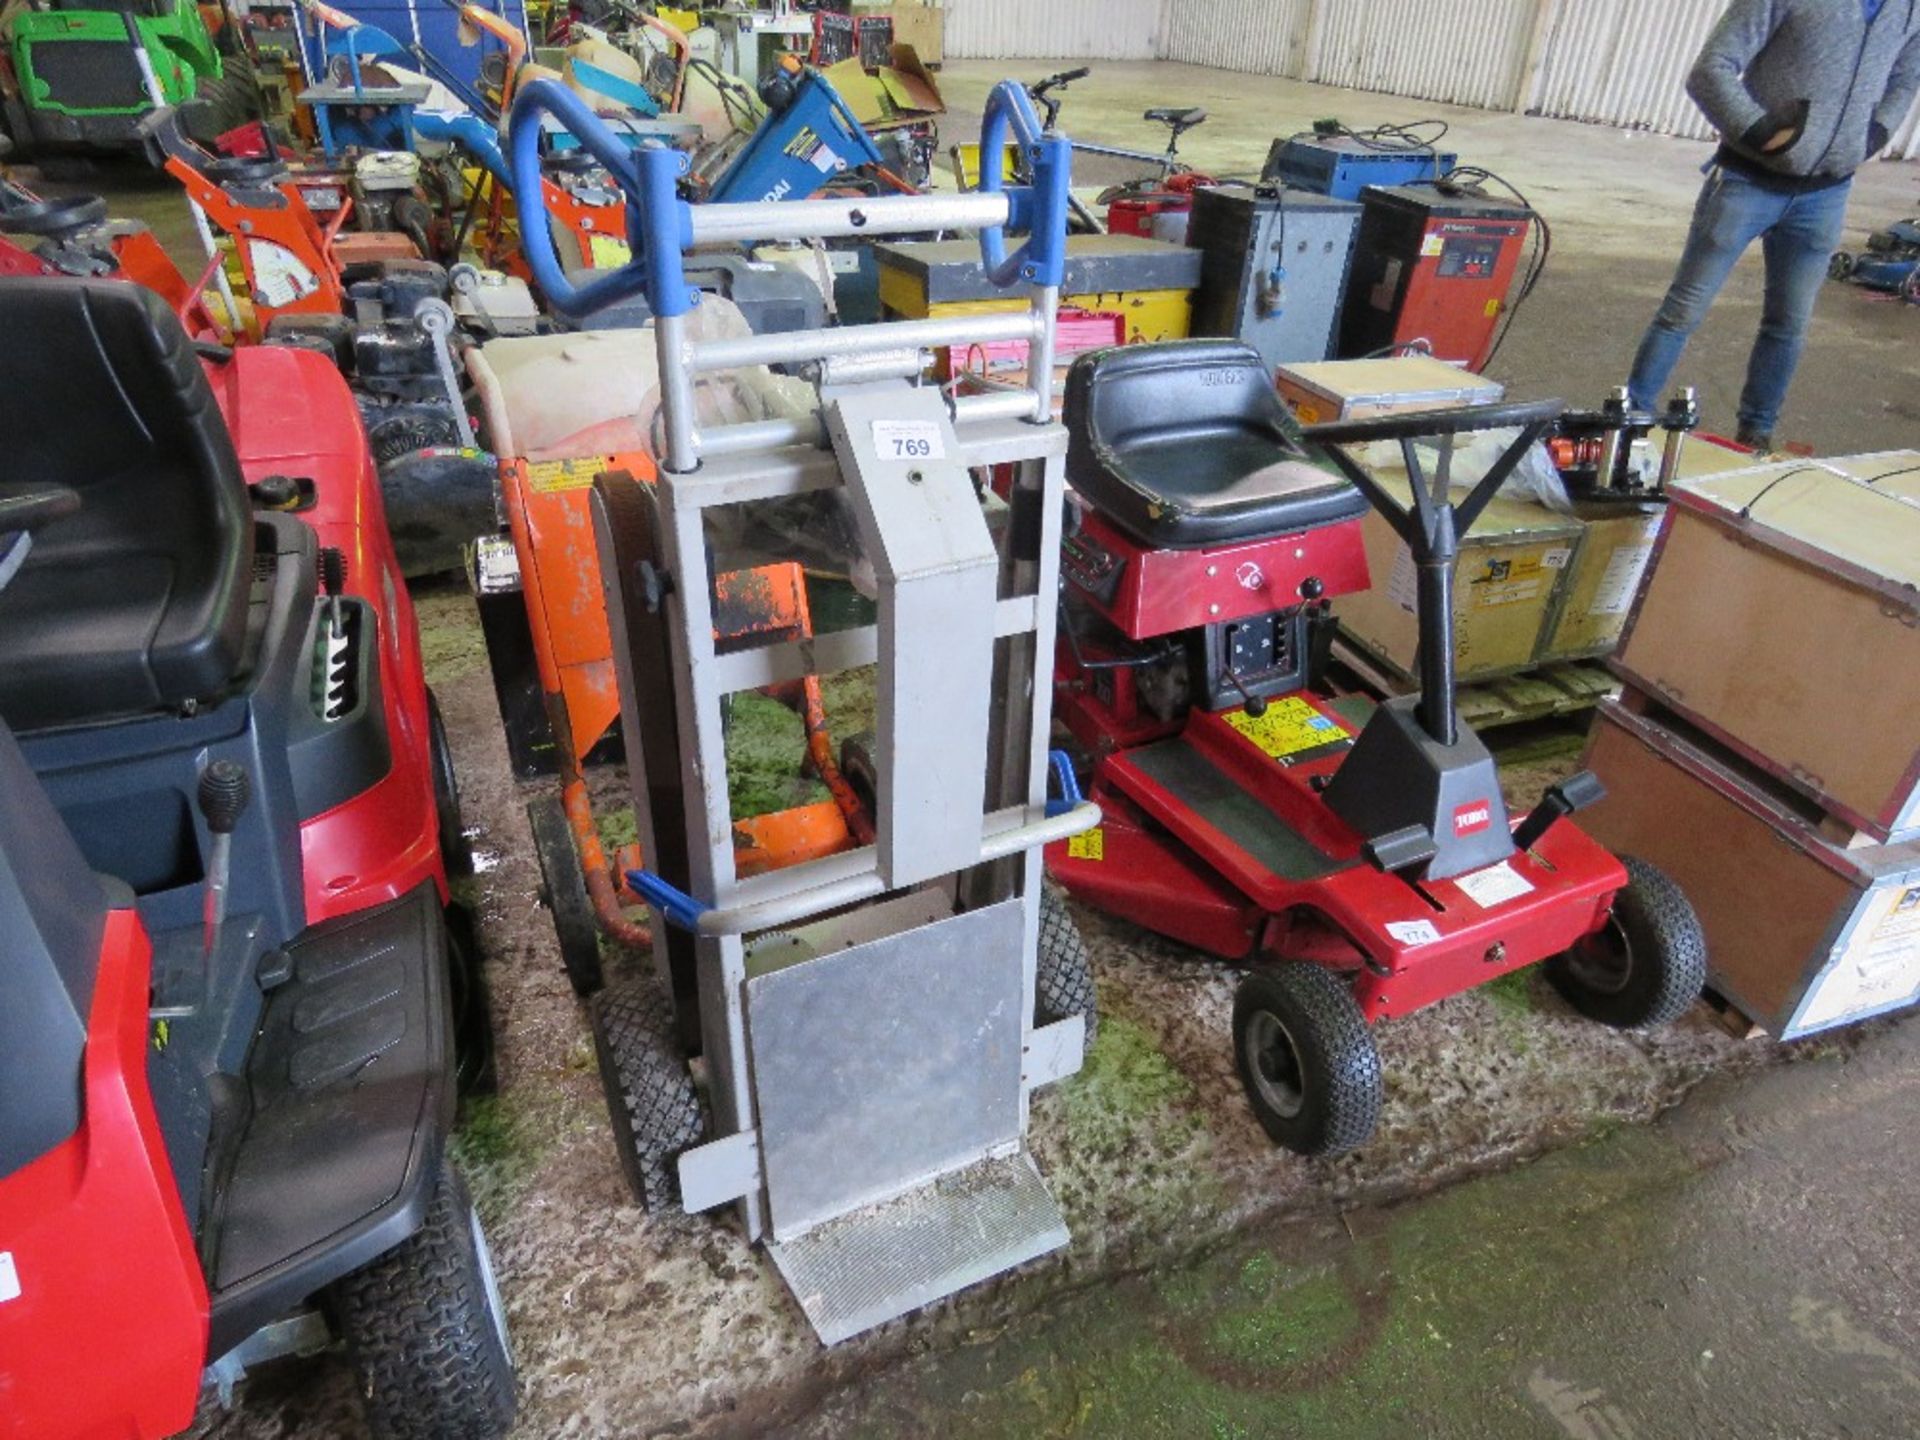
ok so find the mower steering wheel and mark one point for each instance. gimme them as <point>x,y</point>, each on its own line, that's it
<point>1434,522</point>
<point>1420,424</point>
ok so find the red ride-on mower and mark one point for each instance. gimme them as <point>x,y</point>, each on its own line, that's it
<point>227,1004</point>
<point>1359,859</point>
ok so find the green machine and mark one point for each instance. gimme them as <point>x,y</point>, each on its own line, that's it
<point>80,74</point>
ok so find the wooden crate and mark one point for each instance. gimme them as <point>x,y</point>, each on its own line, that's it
<point>1783,618</point>
<point>1803,934</point>
<point>1324,390</point>
<point>1616,547</point>
<point>1507,585</point>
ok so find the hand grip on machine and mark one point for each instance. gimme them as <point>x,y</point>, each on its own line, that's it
<point>655,213</point>
<point>1040,211</point>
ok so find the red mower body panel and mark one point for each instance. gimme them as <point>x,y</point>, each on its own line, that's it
<point>103,1308</point>
<point>1183,851</point>
<point>290,413</point>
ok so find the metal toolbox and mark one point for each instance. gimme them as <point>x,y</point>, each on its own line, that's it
<point>1783,618</point>
<point>1803,933</point>
<point>1274,269</point>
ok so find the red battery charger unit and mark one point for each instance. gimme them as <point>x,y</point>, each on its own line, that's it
<point>1432,266</point>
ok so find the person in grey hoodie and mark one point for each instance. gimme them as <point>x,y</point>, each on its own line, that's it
<point>1803,92</point>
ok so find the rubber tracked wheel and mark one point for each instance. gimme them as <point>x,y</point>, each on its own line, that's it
<point>226,101</point>
<point>1064,975</point>
<point>564,889</point>
<point>1307,1059</point>
<point>651,1098</point>
<point>861,770</point>
<point>455,852</point>
<point>425,1330</point>
<point>1646,966</point>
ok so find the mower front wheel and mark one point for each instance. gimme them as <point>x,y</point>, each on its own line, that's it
<point>651,1099</point>
<point>563,886</point>
<point>1646,966</point>
<point>425,1329</point>
<point>1307,1059</point>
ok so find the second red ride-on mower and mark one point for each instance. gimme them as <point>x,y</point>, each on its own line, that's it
<point>1360,859</point>
<point>227,999</point>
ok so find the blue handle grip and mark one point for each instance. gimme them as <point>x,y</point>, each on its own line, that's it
<point>1040,211</point>
<point>1069,797</point>
<point>680,908</point>
<point>659,225</point>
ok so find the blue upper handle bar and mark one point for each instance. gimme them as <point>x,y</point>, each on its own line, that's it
<point>660,223</point>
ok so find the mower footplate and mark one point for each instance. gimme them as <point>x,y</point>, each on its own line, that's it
<point>1251,821</point>
<point>350,1097</point>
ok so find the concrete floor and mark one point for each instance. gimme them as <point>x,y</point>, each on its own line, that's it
<point>626,1326</point>
<point>1722,1272</point>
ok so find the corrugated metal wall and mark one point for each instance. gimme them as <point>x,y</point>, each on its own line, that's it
<point>1463,52</point>
<point>1043,29</point>
<point>1625,62</point>
<point>1264,37</point>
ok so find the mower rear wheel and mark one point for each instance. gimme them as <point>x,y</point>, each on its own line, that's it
<point>1064,975</point>
<point>1646,966</point>
<point>564,889</point>
<point>425,1330</point>
<point>1307,1059</point>
<point>651,1098</point>
<point>455,852</point>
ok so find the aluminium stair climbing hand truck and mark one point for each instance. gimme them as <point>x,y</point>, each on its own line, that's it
<point>868,1022</point>
<point>1359,860</point>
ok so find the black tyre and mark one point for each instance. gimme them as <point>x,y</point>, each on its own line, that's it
<point>1840,267</point>
<point>860,770</point>
<point>425,1330</point>
<point>1064,976</point>
<point>455,852</point>
<point>564,890</point>
<point>225,101</point>
<point>1647,966</point>
<point>473,1053</point>
<point>1307,1059</point>
<point>650,1094</point>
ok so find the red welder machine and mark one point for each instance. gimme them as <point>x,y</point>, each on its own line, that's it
<point>1435,263</point>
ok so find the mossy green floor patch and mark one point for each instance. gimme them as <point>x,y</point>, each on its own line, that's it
<point>1388,1334</point>
<point>451,644</point>
<point>1126,1083</point>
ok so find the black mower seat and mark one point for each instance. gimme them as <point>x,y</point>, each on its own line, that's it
<point>1186,444</point>
<point>138,602</point>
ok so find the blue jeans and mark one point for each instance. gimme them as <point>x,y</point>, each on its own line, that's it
<point>1798,235</point>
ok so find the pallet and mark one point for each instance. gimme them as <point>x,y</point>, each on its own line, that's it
<point>1730,1018</point>
<point>1562,688</point>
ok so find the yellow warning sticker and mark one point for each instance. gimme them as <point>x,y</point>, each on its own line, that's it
<point>550,477</point>
<point>608,251</point>
<point>1289,727</point>
<point>1088,845</point>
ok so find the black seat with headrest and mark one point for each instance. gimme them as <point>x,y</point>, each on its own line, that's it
<point>1186,443</point>
<point>138,602</point>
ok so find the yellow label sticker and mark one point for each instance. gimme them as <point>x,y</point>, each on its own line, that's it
<point>608,252</point>
<point>1435,244</point>
<point>1494,307</point>
<point>550,477</point>
<point>1307,414</point>
<point>1289,727</point>
<point>1088,845</point>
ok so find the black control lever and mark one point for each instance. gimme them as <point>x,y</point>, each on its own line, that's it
<point>223,793</point>
<point>1576,792</point>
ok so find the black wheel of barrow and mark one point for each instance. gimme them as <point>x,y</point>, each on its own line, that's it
<point>1064,975</point>
<point>651,1098</point>
<point>1646,966</point>
<point>1307,1059</point>
<point>425,1330</point>
<point>564,889</point>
